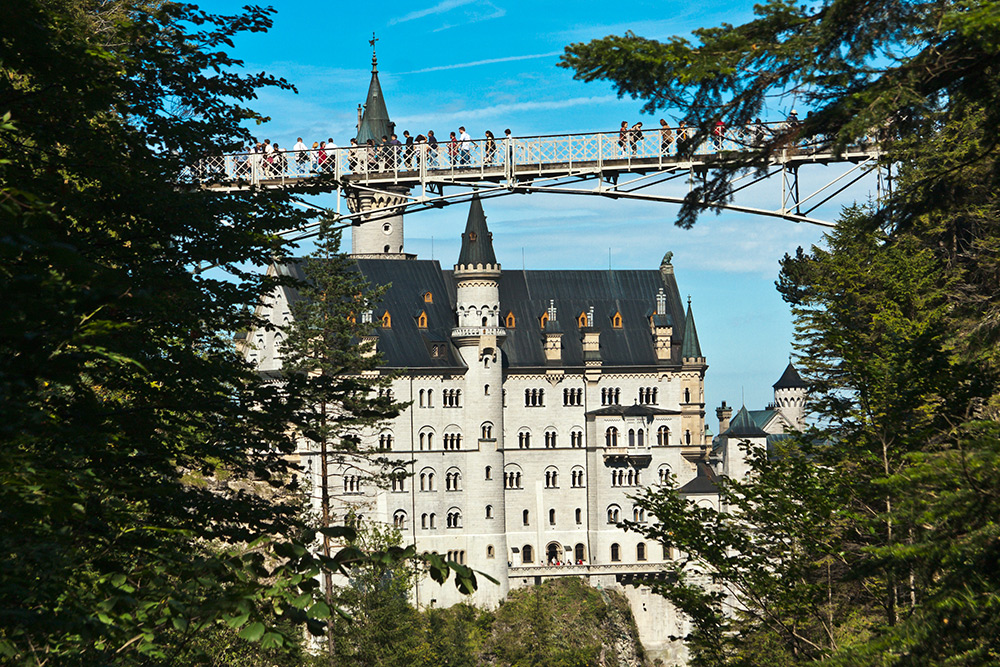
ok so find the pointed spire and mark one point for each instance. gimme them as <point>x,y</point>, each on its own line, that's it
<point>691,348</point>
<point>477,242</point>
<point>790,379</point>
<point>375,122</point>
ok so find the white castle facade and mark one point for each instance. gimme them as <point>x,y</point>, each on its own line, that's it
<point>540,402</point>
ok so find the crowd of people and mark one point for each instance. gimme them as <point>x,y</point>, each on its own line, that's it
<point>392,154</point>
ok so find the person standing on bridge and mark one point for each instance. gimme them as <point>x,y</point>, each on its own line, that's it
<point>634,137</point>
<point>301,155</point>
<point>623,137</point>
<point>432,149</point>
<point>464,147</point>
<point>397,151</point>
<point>719,134</point>
<point>408,149</point>
<point>509,141</point>
<point>666,137</point>
<point>491,148</point>
<point>452,149</point>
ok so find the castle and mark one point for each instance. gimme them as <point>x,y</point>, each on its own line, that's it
<point>540,402</point>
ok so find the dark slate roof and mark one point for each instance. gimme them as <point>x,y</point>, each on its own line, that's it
<point>743,426</point>
<point>527,295</point>
<point>790,379</point>
<point>404,345</point>
<point>375,122</point>
<point>631,411</point>
<point>630,292</point>
<point>704,481</point>
<point>692,348</point>
<point>477,241</point>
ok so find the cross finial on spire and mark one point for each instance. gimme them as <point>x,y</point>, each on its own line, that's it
<point>689,299</point>
<point>371,42</point>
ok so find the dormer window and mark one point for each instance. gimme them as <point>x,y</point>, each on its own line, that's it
<point>582,321</point>
<point>543,320</point>
<point>472,236</point>
<point>509,322</point>
<point>428,297</point>
<point>386,320</point>
<point>616,321</point>
<point>422,320</point>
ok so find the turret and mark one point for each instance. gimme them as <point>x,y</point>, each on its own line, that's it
<point>382,237</point>
<point>742,436</point>
<point>478,336</point>
<point>693,369</point>
<point>790,397</point>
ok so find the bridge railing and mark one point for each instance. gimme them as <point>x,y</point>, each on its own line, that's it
<point>486,157</point>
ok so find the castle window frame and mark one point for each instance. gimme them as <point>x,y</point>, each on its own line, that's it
<point>543,320</point>
<point>663,436</point>
<point>399,519</point>
<point>580,553</point>
<point>422,320</point>
<point>616,321</point>
<point>524,439</point>
<point>489,511</point>
<point>490,551</point>
<point>527,554</point>
<point>398,480</point>
<point>525,518</point>
<point>576,439</point>
<point>428,297</point>
<point>578,515</point>
<point>640,551</point>
<point>614,514</point>
<point>552,477</point>
<point>616,553</point>
<point>611,437</point>
<point>581,321</point>
<point>454,518</point>
<point>386,320</point>
<point>510,321</point>
<point>550,439</point>
<point>577,478</point>
<point>552,517</point>
<point>486,430</point>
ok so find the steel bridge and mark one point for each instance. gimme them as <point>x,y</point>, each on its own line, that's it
<point>615,165</point>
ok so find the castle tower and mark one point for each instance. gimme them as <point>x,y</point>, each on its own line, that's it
<point>790,397</point>
<point>742,436</point>
<point>478,337</point>
<point>693,369</point>
<point>381,238</point>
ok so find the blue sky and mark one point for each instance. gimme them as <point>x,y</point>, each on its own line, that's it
<point>491,64</point>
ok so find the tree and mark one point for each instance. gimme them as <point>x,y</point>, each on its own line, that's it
<point>896,321</point>
<point>331,373</point>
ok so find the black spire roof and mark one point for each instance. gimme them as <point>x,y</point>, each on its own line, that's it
<point>375,122</point>
<point>743,426</point>
<point>477,242</point>
<point>691,347</point>
<point>790,379</point>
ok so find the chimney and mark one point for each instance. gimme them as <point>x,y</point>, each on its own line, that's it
<point>724,413</point>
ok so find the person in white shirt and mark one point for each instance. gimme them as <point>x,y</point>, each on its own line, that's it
<point>464,147</point>
<point>301,155</point>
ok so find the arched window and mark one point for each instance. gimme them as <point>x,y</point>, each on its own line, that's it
<point>399,519</point>
<point>552,517</point>
<point>430,398</point>
<point>524,517</point>
<point>489,511</point>
<point>551,478</point>
<point>638,515</point>
<point>663,436</point>
<point>487,431</point>
<point>423,521</point>
<point>579,516</point>
<point>550,439</point>
<point>611,437</point>
<point>579,553</point>
<point>433,517</point>
<point>454,518</point>
<point>631,437</point>
<point>490,553</point>
<point>640,551</point>
<point>616,553</point>
<point>421,398</point>
<point>489,472</point>
<point>664,474</point>
<point>614,514</point>
<point>641,438</point>
<point>687,395</point>
<point>576,439</point>
<point>398,480</point>
<point>524,440</point>
<point>687,437</point>
<point>526,554</point>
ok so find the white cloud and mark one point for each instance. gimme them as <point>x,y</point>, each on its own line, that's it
<point>439,8</point>
<point>501,109</point>
<point>476,63</point>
